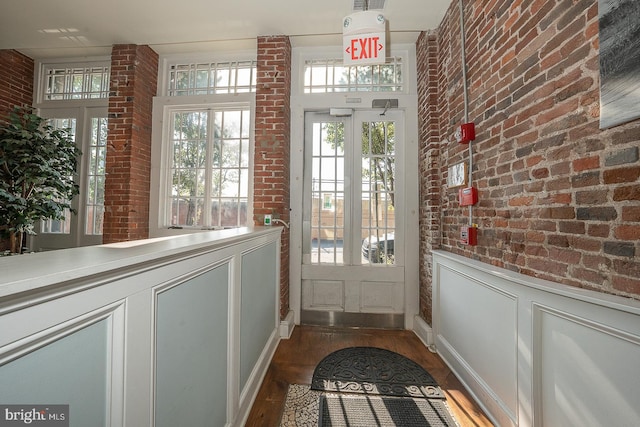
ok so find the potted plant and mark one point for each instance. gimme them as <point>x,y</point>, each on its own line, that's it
<point>37,167</point>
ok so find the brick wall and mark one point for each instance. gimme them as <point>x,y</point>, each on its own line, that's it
<point>429,162</point>
<point>16,89</point>
<point>16,81</point>
<point>134,71</point>
<point>559,198</point>
<point>272,144</point>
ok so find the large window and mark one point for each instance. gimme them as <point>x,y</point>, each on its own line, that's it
<point>209,170</point>
<point>203,123</point>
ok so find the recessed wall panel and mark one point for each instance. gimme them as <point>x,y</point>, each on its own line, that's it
<point>72,370</point>
<point>480,323</point>
<point>589,373</point>
<point>260,285</point>
<point>191,351</point>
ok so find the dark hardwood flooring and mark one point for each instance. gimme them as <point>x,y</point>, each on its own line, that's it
<point>296,358</point>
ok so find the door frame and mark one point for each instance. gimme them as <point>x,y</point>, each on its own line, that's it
<point>409,224</point>
<point>353,292</point>
<point>301,103</point>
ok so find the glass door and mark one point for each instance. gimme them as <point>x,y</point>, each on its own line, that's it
<point>89,128</point>
<point>352,272</point>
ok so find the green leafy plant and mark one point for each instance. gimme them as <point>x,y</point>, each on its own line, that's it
<point>37,167</point>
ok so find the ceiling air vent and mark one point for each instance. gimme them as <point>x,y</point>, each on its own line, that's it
<point>368,4</point>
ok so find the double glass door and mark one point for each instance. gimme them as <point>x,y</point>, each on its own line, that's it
<point>353,265</point>
<point>88,127</point>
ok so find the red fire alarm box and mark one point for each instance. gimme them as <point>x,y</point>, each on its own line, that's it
<point>466,133</point>
<point>468,196</point>
<point>469,235</point>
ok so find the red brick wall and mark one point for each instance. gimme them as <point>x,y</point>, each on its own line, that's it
<point>272,138</point>
<point>16,89</point>
<point>559,198</point>
<point>429,162</point>
<point>16,81</point>
<point>134,76</point>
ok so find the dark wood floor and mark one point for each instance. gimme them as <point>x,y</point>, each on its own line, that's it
<point>296,358</point>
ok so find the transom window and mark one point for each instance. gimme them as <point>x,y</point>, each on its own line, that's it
<point>330,75</point>
<point>76,82</point>
<point>209,170</point>
<point>212,78</point>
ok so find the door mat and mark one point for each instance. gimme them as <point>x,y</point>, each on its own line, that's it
<point>358,410</point>
<point>301,407</point>
<point>374,371</point>
<point>367,387</point>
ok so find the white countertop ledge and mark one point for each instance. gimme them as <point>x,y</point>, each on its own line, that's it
<point>31,272</point>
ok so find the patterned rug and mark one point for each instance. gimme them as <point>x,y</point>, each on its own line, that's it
<point>356,410</point>
<point>301,408</point>
<point>370,370</point>
<point>367,387</point>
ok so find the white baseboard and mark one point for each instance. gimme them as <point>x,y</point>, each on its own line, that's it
<point>250,391</point>
<point>424,332</point>
<point>287,325</point>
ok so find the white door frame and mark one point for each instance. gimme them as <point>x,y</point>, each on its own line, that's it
<point>407,102</point>
<point>353,291</point>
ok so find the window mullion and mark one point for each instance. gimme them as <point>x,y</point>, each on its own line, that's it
<point>209,169</point>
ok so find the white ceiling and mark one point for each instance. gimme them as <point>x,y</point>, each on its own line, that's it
<point>73,28</point>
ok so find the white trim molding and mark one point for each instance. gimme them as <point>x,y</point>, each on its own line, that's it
<point>425,332</point>
<point>287,325</point>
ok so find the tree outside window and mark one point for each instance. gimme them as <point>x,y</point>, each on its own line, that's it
<point>209,179</point>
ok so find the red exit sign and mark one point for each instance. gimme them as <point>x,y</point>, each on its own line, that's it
<point>364,38</point>
<point>366,49</point>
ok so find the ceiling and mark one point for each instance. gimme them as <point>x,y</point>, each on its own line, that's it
<point>76,28</point>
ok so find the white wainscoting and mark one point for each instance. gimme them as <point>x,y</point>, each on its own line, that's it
<point>534,352</point>
<point>163,332</point>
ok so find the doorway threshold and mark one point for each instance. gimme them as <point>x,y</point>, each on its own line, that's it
<point>351,320</point>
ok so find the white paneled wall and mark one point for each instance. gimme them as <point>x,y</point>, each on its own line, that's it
<point>162,332</point>
<point>536,353</point>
